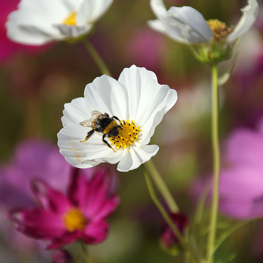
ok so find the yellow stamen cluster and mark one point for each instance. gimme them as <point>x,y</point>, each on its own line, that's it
<point>220,29</point>
<point>74,220</point>
<point>127,136</point>
<point>71,19</point>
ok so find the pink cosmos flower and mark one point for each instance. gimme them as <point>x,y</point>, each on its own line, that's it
<point>241,185</point>
<point>241,182</point>
<point>32,159</point>
<point>63,219</point>
<point>141,54</point>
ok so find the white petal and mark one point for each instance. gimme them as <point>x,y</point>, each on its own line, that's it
<point>105,94</point>
<point>79,153</point>
<point>33,22</point>
<point>91,10</point>
<point>149,128</point>
<point>157,25</point>
<point>159,8</point>
<point>145,95</point>
<point>73,31</point>
<point>247,19</point>
<point>28,35</point>
<point>137,156</point>
<point>173,33</point>
<point>160,11</point>
<point>192,24</point>
<point>183,24</point>
<point>75,112</point>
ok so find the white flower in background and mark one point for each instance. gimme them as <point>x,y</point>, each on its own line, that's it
<point>136,99</point>
<point>37,22</point>
<point>187,25</point>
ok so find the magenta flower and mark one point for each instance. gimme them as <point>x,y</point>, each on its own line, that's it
<point>63,219</point>
<point>169,240</point>
<point>241,185</point>
<point>139,52</point>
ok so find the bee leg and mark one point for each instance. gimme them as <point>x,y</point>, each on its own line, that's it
<point>116,118</point>
<point>103,139</point>
<point>119,126</point>
<point>88,135</point>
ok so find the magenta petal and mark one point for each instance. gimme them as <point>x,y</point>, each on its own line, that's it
<point>245,147</point>
<point>97,195</point>
<point>107,208</point>
<point>50,199</point>
<point>241,183</point>
<point>66,239</point>
<point>78,189</point>
<point>95,232</point>
<point>38,223</point>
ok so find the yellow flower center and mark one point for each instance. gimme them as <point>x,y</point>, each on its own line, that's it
<point>127,136</point>
<point>71,19</point>
<point>74,220</point>
<point>220,29</point>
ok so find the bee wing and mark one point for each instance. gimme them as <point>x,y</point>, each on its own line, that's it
<point>89,122</point>
<point>95,114</point>
<point>86,123</point>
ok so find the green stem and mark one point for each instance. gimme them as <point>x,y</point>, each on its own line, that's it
<point>86,256</point>
<point>168,219</point>
<point>95,55</point>
<point>158,180</point>
<point>216,165</point>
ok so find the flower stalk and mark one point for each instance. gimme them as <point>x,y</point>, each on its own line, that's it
<point>86,256</point>
<point>216,164</point>
<point>95,55</point>
<point>165,215</point>
<point>158,180</point>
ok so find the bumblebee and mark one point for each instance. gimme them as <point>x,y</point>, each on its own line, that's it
<point>102,123</point>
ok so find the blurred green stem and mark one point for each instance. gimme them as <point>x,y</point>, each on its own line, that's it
<point>86,256</point>
<point>167,218</point>
<point>158,180</point>
<point>216,165</point>
<point>95,55</point>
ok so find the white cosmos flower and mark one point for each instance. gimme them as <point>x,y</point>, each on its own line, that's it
<point>37,22</point>
<point>136,98</point>
<point>187,25</point>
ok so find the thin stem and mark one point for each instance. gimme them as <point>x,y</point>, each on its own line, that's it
<point>168,219</point>
<point>86,256</point>
<point>158,180</point>
<point>95,55</point>
<point>216,165</point>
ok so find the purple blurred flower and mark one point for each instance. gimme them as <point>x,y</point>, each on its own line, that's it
<point>241,182</point>
<point>64,219</point>
<point>146,49</point>
<point>241,185</point>
<point>32,159</point>
<point>169,240</point>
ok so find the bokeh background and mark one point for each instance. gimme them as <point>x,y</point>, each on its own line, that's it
<point>35,82</point>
